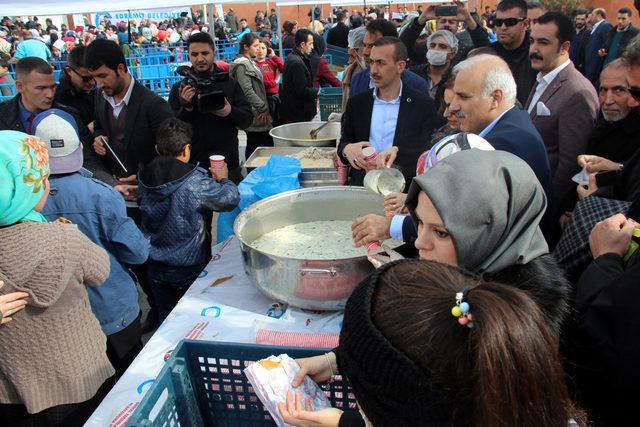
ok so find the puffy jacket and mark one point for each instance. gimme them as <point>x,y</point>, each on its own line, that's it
<point>250,80</point>
<point>175,200</point>
<point>100,213</point>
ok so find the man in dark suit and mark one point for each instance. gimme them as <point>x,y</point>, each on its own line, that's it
<point>599,30</point>
<point>392,114</point>
<point>297,94</point>
<point>563,106</point>
<point>486,107</point>
<point>337,35</point>
<point>362,81</point>
<point>127,113</point>
<point>484,102</point>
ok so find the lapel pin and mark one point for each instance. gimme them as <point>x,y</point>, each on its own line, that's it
<point>408,99</point>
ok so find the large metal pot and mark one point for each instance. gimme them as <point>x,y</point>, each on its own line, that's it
<point>309,284</point>
<point>297,134</point>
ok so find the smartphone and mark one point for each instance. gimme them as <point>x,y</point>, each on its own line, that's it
<point>447,10</point>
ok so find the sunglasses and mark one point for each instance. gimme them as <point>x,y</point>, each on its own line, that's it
<point>85,79</point>
<point>635,92</point>
<point>509,22</point>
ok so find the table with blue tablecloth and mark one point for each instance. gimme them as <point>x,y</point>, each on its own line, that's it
<point>221,305</point>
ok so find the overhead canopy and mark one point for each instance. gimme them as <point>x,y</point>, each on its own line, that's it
<point>352,2</point>
<point>74,7</point>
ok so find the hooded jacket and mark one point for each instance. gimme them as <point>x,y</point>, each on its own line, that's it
<point>53,351</point>
<point>175,200</point>
<point>249,77</point>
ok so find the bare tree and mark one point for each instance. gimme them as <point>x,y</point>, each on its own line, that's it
<point>564,6</point>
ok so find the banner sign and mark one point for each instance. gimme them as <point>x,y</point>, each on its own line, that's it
<point>138,15</point>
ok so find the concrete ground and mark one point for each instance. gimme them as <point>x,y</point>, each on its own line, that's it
<point>142,298</point>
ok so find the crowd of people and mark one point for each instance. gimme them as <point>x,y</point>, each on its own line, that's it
<point>516,130</point>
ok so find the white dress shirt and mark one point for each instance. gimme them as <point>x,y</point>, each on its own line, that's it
<point>544,82</point>
<point>384,119</point>
<point>117,107</point>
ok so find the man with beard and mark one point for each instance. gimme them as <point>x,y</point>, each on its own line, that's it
<point>617,133</point>
<point>214,132</point>
<point>128,116</point>
<point>563,105</point>
<point>579,40</point>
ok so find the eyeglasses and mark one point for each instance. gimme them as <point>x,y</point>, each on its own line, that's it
<point>509,22</point>
<point>635,92</point>
<point>85,79</point>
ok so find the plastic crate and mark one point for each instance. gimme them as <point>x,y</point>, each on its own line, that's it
<point>203,384</point>
<point>329,101</point>
<point>339,55</point>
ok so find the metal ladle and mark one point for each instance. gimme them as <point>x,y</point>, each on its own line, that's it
<point>314,132</point>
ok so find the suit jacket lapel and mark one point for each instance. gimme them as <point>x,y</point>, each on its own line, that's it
<point>405,106</point>
<point>553,87</point>
<point>367,112</point>
<point>132,113</point>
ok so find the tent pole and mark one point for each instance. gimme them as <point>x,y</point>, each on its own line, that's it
<point>211,19</point>
<point>279,32</point>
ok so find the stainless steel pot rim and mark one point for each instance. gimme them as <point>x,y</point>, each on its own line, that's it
<point>257,205</point>
<point>322,136</point>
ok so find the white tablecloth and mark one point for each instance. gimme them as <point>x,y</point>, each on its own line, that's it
<point>221,305</point>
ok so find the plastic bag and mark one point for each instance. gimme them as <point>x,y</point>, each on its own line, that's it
<point>271,380</point>
<point>280,174</point>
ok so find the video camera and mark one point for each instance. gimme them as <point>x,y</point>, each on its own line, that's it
<point>207,97</point>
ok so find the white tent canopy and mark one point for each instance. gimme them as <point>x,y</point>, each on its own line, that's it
<point>352,2</point>
<point>74,7</point>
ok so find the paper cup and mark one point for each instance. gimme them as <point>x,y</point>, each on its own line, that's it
<point>369,153</point>
<point>216,161</point>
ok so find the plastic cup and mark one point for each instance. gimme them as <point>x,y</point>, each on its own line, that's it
<point>369,153</point>
<point>216,161</point>
<point>374,246</point>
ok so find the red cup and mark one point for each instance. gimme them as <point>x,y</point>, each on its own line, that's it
<point>369,153</point>
<point>216,161</point>
<point>373,246</point>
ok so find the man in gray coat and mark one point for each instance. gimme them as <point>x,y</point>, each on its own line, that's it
<point>563,105</point>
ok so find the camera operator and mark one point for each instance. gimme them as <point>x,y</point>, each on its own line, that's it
<point>214,131</point>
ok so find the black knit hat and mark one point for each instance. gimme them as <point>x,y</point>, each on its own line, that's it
<point>389,387</point>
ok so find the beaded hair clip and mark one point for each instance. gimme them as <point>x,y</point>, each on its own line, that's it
<point>461,311</point>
